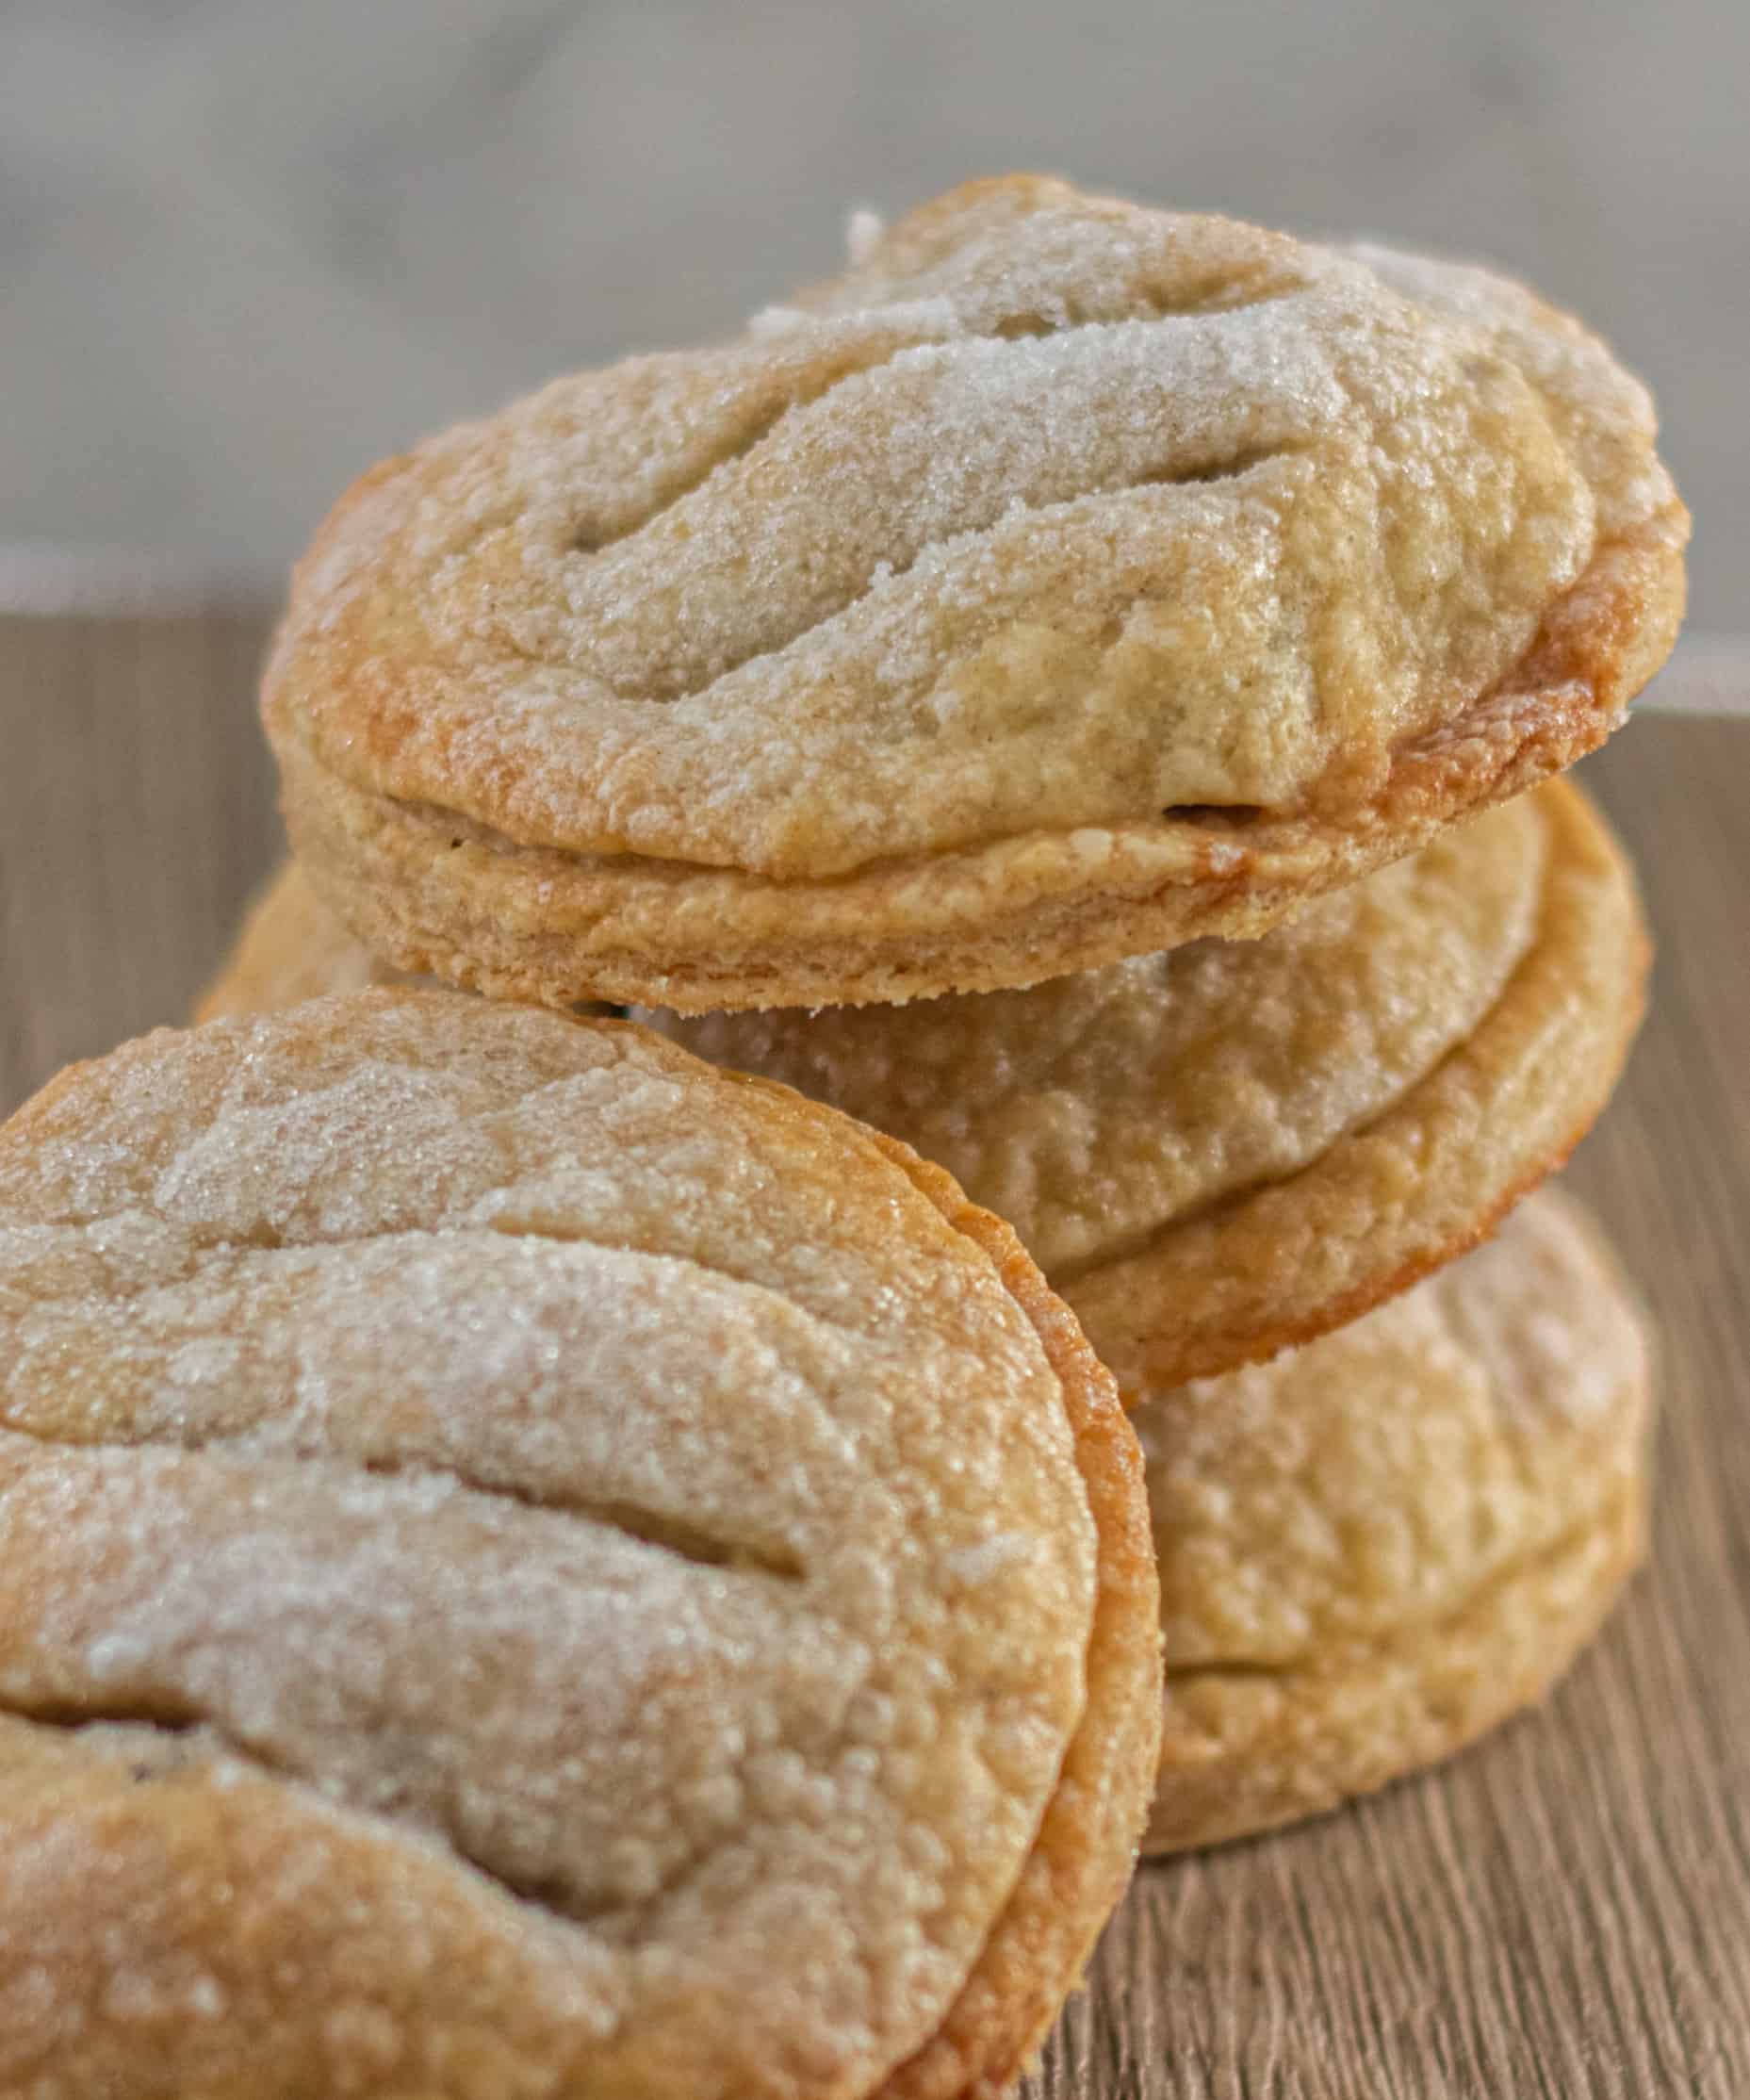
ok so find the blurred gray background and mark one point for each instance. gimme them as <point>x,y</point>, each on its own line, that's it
<point>245,249</point>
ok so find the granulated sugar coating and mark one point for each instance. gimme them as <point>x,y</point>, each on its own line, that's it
<point>528,1565</point>
<point>1063,581</point>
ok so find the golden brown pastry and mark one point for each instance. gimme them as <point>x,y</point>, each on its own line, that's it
<point>1377,1546</point>
<point>1065,580</point>
<point>291,947</point>
<point>531,1565</point>
<point>1234,1145</point>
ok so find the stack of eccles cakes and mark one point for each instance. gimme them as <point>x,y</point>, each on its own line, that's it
<point>620,1534</point>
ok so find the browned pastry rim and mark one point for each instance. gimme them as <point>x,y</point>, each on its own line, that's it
<point>432,893</point>
<point>1277,1265</point>
<point>1083,1856</point>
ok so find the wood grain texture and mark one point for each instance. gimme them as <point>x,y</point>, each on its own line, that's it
<point>1561,1913</point>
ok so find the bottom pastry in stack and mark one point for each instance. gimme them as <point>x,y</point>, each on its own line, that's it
<point>1374,1548</point>
<point>1380,1541</point>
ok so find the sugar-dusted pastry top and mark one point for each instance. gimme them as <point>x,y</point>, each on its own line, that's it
<point>1375,1481</point>
<point>600,1573</point>
<point>1093,1111</point>
<point>1051,513</point>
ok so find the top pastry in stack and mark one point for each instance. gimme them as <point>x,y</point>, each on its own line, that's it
<point>1083,692</point>
<point>1064,581</point>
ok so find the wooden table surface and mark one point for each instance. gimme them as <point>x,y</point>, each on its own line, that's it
<point>1563,1912</point>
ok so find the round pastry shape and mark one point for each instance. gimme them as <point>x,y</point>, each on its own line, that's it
<point>531,1565</point>
<point>1065,580</point>
<point>1233,1146</point>
<point>1378,1546</point>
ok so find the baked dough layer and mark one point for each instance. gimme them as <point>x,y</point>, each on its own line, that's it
<point>1424,1180</point>
<point>532,1564</point>
<point>290,947</point>
<point>1222,1149</point>
<point>1376,1548</point>
<point>1064,581</point>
